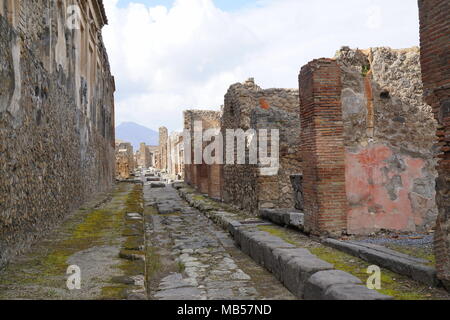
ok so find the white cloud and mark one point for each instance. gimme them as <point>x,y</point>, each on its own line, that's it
<point>166,60</point>
<point>375,19</point>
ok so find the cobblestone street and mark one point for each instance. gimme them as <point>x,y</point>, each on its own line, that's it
<point>199,260</point>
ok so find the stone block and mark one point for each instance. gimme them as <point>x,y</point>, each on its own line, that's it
<point>353,292</point>
<point>318,284</point>
<point>297,270</point>
<point>157,185</point>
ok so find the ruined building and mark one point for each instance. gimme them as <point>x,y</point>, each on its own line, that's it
<point>206,178</point>
<point>367,143</point>
<point>163,148</point>
<point>251,186</point>
<point>435,61</point>
<point>125,164</point>
<point>175,158</point>
<point>154,155</point>
<point>144,159</point>
<point>56,115</point>
<point>356,145</point>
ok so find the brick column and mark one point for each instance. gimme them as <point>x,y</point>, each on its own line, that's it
<point>214,181</point>
<point>322,147</point>
<point>435,60</point>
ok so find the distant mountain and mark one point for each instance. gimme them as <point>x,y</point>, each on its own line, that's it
<point>135,134</point>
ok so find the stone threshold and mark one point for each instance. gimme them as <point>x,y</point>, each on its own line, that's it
<point>300,271</point>
<point>284,217</point>
<point>400,263</point>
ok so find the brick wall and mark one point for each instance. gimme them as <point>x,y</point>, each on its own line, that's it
<point>215,181</point>
<point>435,60</point>
<point>322,147</point>
<point>200,176</point>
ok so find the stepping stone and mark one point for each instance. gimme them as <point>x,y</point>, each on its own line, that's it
<point>157,185</point>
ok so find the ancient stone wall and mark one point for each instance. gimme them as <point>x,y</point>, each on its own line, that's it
<point>389,141</point>
<point>368,102</point>
<point>276,190</point>
<point>175,155</point>
<point>246,107</point>
<point>163,149</point>
<point>198,174</point>
<point>154,155</point>
<point>435,61</point>
<point>124,160</point>
<point>144,157</point>
<point>57,135</point>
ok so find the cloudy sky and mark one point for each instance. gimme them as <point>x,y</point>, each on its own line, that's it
<point>172,55</point>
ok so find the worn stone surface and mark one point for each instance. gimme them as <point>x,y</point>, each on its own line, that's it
<point>318,284</point>
<point>247,106</point>
<point>412,267</point>
<point>284,217</point>
<point>353,292</point>
<point>90,238</point>
<point>201,259</point>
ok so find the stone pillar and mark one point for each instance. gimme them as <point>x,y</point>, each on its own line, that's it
<point>435,61</point>
<point>163,139</point>
<point>322,147</point>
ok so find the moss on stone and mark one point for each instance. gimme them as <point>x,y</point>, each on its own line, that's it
<point>45,268</point>
<point>417,252</point>
<point>153,262</point>
<point>134,243</point>
<point>134,202</point>
<point>116,292</point>
<point>150,211</point>
<point>278,232</point>
<point>392,284</point>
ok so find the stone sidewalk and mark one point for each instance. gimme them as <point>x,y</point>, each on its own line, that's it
<point>322,272</point>
<point>190,258</point>
<point>91,238</point>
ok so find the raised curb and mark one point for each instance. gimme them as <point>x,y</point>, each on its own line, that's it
<point>284,217</point>
<point>292,266</point>
<point>389,259</point>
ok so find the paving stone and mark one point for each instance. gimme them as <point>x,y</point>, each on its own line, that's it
<point>158,185</point>
<point>353,292</point>
<point>296,271</point>
<point>319,282</point>
<point>205,249</point>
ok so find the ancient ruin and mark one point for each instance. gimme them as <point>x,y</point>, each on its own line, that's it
<point>125,163</point>
<point>205,177</point>
<point>56,114</point>
<point>246,107</point>
<point>377,163</point>
<point>175,156</point>
<point>330,191</point>
<point>435,56</point>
